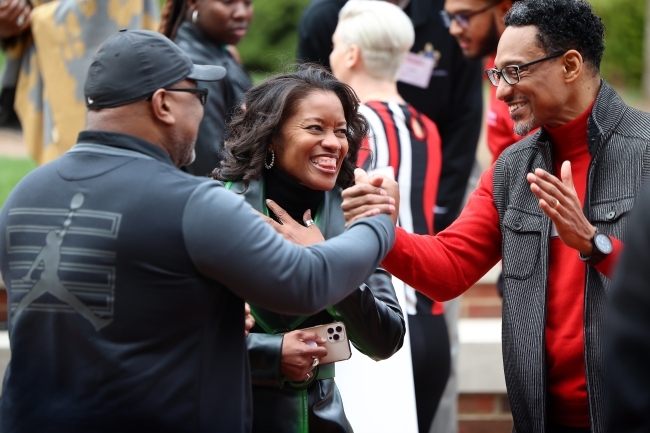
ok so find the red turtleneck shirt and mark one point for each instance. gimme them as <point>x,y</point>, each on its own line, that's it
<point>446,265</point>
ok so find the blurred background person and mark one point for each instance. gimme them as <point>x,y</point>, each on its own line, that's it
<point>14,21</point>
<point>371,43</point>
<point>207,30</point>
<point>450,96</point>
<point>297,143</point>
<point>478,25</point>
<point>49,45</point>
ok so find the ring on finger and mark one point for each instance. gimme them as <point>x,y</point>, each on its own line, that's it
<point>315,362</point>
<point>20,20</point>
<point>556,204</point>
<point>309,223</point>
<point>308,376</point>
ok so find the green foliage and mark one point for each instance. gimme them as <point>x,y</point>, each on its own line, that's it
<point>11,171</point>
<point>272,39</point>
<point>624,23</point>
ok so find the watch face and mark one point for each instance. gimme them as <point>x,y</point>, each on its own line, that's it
<point>603,243</point>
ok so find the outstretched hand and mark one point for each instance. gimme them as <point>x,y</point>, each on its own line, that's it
<point>292,230</point>
<point>559,200</point>
<point>371,195</point>
<point>298,357</point>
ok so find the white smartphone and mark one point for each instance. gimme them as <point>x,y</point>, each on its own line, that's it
<point>336,341</point>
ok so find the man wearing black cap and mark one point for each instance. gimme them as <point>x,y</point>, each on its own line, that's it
<point>117,263</point>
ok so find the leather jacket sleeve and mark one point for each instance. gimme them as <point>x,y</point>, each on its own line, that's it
<point>265,355</point>
<point>373,317</point>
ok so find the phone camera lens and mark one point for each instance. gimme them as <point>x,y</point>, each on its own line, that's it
<point>336,336</point>
<point>339,329</point>
<point>330,330</point>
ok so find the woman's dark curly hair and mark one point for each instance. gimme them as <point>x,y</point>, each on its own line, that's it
<point>268,105</point>
<point>563,25</point>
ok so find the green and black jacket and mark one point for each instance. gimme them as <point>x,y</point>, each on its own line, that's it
<point>374,323</point>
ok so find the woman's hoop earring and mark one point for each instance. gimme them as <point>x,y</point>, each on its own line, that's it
<point>195,16</point>
<point>269,165</point>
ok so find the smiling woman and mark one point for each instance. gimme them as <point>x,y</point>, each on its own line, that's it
<point>310,101</point>
<point>317,134</point>
<point>297,143</point>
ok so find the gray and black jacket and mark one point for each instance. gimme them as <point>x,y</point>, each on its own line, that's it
<point>125,280</point>
<point>619,144</point>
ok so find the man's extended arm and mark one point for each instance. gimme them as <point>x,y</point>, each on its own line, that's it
<point>230,243</point>
<point>444,266</point>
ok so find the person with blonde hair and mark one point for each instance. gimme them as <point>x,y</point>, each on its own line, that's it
<point>371,43</point>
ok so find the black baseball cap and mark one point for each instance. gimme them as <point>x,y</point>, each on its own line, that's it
<point>132,64</point>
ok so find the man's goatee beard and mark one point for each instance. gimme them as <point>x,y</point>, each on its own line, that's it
<point>524,129</point>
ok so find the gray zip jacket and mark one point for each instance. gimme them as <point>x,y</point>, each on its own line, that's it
<point>619,144</point>
<point>126,279</point>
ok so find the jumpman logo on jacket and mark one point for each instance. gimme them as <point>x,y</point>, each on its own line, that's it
<point>49,282</point>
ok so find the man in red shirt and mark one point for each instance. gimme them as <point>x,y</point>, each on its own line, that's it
<point>553,208</point>
<point>478,25</point>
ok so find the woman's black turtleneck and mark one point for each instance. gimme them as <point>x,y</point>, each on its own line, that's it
<point>293,197</point>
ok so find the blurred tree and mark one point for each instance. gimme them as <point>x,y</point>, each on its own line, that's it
<point>272,38</point>
<point>624,38</point>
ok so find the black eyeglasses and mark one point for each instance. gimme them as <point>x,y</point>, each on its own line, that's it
<point>202,94</point>
<point>511,73</point>
<point>462,19</point>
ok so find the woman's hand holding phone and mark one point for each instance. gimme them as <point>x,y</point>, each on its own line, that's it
<point>298,354</point>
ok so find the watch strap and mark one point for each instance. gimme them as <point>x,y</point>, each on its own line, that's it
<point>596,255</point>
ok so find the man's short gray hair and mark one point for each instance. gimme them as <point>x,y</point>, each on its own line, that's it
<point>381,30</point>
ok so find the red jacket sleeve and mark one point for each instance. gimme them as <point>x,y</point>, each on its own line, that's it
<point>447,264</point>
<point>607,266</point>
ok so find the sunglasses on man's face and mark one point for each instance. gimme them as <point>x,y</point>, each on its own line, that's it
<point>201,93</point>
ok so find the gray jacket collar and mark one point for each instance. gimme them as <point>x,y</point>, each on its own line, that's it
<point>607,113</point>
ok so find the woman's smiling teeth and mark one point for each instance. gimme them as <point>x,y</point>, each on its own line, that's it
<point>327,163</point>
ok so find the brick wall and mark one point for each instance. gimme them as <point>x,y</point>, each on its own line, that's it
<point>483,413</point>
<point>482,300</point>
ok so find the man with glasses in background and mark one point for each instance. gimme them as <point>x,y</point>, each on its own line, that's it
<point>478,25</point>
<point>553,207</point>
